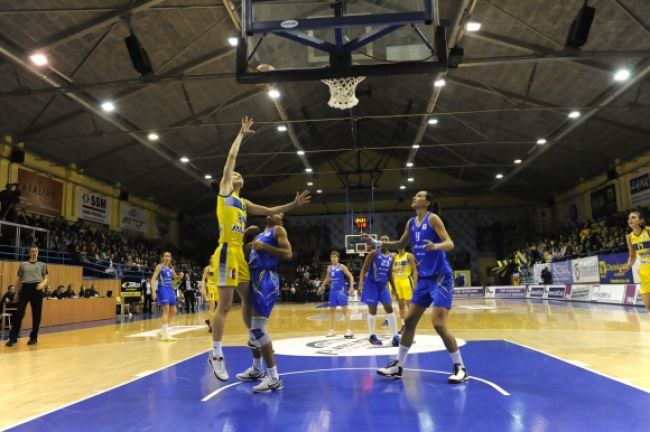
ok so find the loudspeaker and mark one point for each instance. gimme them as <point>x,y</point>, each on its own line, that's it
<point>612,174</point>
<point>139,56</point>
<point>124,195</point>
<point>17,156</point>
<point>579,32</point>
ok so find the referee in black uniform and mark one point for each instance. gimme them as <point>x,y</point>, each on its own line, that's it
<point>32,278</point>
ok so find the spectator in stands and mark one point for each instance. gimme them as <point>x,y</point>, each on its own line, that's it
<point>9,199</point>
<point>70,292</point>
<point>47,292</point>
<point>10,298</point>
<point>547,276</point>
<point>91,292</point>
<point>58,293</point>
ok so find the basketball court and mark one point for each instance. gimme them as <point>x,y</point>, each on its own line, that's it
<point>528,373</point>
<point>505,110</point>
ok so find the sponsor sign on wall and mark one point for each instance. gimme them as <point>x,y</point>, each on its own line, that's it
<point>609,267</point>
<point>133,219</point>
<point>505,292</point>
<point>468,292</point>
<point>536,291</point>
<point>608,294</point>
<point>640,189</point>
<point>555,291</point>
<point>603,201</point>
<point>562,272</point>
<point>579,292</point>
<point>94,207</point>
<point>39,193</point>
<point>585,270</point>
<point>161,227</point>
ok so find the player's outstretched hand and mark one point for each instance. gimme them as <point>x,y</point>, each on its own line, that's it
<point>246,126</point>
<point>252,230</point>
<point>302,198</point>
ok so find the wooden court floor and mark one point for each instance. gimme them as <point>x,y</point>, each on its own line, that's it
<point>71,365</point>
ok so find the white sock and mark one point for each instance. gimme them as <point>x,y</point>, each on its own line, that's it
<point>257,363</point>
<point>274,372</point>
<point>456,358</point>
<point>216,349</point>
<point>403,352</point>
<point>392,323</point>
<point>164,329</point>
<point>371,323</point>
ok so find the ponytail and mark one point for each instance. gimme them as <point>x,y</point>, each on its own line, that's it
<point>433,207</point>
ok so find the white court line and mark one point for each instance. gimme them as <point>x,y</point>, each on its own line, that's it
<point>581,367</point>
<point>484,381</point>
<point>149,372</point>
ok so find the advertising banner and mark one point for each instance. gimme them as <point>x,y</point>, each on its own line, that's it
<point>133,218</point>
<point>505,292</point>
<point>468,292</point>
<point>535,291</point>
<point>39,193</point>
<point>630,294</point>
<point>562,273</point>
<point>555,291</point>
<point>585,270</point>
<point>608,294</point>
<point>603,201</point>
<point>610,269</point>
<point>579,292</point>
<point>92,206</point>
<point>640,189</point>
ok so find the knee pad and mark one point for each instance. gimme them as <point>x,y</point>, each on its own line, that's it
<point>258,335</point>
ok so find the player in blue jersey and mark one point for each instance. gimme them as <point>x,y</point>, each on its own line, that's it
<point>376,274</point>
<point>267,249</point>
<point>165,294</point>
<point>336,274</point>
<point>429,240</point>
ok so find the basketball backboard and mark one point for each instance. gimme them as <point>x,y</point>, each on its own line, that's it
<point>312,40</point>
<point>355,244</point>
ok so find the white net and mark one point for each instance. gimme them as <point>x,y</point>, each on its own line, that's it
<point>342,91</point>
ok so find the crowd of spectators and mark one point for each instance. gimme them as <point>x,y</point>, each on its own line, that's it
<point>93,244</point>
<point>604,236</point>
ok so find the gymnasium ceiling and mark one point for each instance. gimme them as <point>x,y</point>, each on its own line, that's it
<point>517,84</point>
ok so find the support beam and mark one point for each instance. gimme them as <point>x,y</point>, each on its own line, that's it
<point>89,105</point>
<point>95,24</point>
<point>568,126</point>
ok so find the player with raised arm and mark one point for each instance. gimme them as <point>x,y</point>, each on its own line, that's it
<point>429,240</point>
<point>164,294</point>
<point>376,274</point>
<point>336,274</point>
<point>228,261</point>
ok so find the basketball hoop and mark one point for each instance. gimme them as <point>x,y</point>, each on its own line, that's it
<point>342,91</point>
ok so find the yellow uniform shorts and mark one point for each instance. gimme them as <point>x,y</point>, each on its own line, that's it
<point>404,288</point>
<point>644,278</point>
<point>229,265</point>
<point>211,292</point>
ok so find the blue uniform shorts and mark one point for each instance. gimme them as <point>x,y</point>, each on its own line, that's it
<point>437,290</point>
<point>166,296</point>
<point>265,286</point>
<point>338,297</point>
<point>374,293</point>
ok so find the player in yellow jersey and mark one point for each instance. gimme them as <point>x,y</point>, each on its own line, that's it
<point>210,292</point>
<point>638,244</point>
<point>228,261</point>
<point>405,274</point>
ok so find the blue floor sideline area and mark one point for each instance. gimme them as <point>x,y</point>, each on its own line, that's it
<point>520,390</point>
